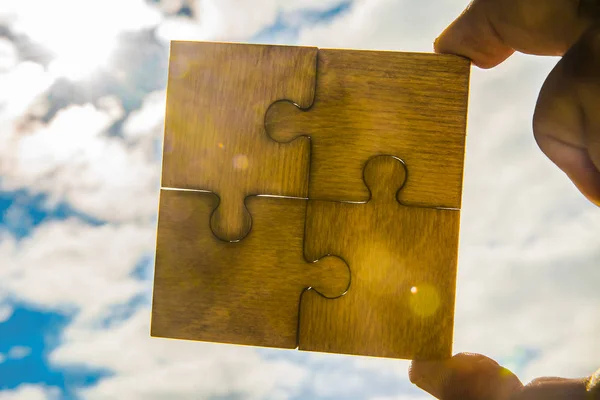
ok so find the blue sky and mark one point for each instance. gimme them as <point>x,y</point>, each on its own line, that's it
<point>80,137</point>
<point>31,327</point>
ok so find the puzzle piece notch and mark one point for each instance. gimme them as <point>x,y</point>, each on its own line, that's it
<point>384,176</point>
<point>215,138</point>
<point>242,293</point>
<point>403,262</point>
<point>373,103</point>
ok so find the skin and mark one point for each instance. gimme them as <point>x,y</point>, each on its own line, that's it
<point>566,123</point>
<point>475,377</point>
<point>566,126</point>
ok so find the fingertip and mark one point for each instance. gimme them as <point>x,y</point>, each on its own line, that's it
<point>482,55</point>
<point>464,376</point>
<point>439,378</point>
<point>429,375</point>
<point>472,36</point>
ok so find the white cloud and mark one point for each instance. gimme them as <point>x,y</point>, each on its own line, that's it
<point>2,358</point>
<point>72,160</point>
<point>6,311</point>
<point>148,118</point>
<point>21,87</point>
<point>30,392</point>
<point>320,5</point>
<point>8,55</point>
<point>171,6</point>
<point>403,397</point>
<point>152,368</point>
<point>392,367</point>
<point>18,352</point>
<point>126,15</point>
<point>233,20</point>
<point>338,383</point>
<point>75,266</point>
<point>83,43</point>
<point>403,25</point>
<point>574,352</point>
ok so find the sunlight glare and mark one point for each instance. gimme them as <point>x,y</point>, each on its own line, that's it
<point>79,59</point>
<point>80,35</point>
<point>8,55</point>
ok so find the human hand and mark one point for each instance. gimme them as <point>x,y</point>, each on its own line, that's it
<point>566,122</point>
<point>475,377</point>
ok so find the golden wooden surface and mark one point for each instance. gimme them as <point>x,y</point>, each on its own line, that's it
<point>373,102</point>
<point>246,292</point>
<point>217,97</point>
<point>231,268</point>
<point>403,262</point>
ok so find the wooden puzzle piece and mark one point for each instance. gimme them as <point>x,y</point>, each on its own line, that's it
<point>215,140</point>
<point>403,262</point>
<point>374,102</point>
<point>247,292</point>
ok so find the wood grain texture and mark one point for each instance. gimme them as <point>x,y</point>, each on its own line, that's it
<point>403,262</point>
<point>232,267</point>
<point>246,292</point>
<point>215,140</point>
<point>374,102</point>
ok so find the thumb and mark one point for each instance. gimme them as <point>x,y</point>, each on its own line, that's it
<point>465,376</point>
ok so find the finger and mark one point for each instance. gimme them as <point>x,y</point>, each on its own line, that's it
<point>557,389</point>
<point>489,31</point>
<point>466,377</point>
<point>566,122</point>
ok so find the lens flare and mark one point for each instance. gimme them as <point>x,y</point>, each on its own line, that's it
<point>424,300</point>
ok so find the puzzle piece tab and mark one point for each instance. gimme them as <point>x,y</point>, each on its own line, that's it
<point>215,140</point>
<point>403,262</point>
<point>374,102</point>
<point>243,293</point>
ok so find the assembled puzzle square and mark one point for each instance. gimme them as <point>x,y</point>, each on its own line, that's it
<point>310,198</point>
